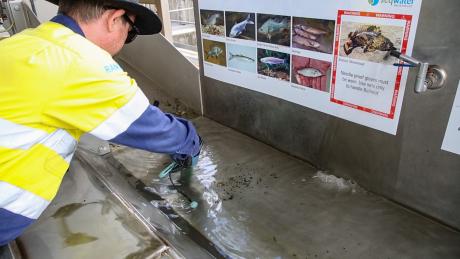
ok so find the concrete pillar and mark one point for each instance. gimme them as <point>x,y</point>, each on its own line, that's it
<point>162,7</point>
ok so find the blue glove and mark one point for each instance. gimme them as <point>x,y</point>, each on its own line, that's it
<point>195,159</point>
<point>181,161</point>
<point>197,156</point>
<point>188,161</point>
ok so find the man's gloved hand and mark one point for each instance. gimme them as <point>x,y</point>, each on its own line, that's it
<point>196,157</point>
<point>187,161</point>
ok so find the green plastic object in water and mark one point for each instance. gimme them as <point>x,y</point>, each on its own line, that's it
<point>193,204</point>
<point>168,169</point>
<point>166,172</point>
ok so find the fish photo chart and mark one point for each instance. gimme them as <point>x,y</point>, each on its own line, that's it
<point>452,137</point>
<point>330,56</point>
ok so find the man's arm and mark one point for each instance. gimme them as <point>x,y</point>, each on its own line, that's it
<point>153,130</point>
<point>112,107</point>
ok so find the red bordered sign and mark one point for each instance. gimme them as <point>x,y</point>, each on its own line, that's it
<point>408,20</point>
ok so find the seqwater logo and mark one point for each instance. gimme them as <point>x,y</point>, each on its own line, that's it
<point>373,2</point>
<point>397,3</point>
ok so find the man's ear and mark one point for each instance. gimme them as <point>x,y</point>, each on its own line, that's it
<point>113,18</point>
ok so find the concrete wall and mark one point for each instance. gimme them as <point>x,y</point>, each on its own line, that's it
<point>409,168</point>
<point>45,10</point>
<point>164,65</point>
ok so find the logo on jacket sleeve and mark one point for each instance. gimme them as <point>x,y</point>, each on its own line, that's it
<point>111,68</point>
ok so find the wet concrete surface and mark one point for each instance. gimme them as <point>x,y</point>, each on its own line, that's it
<point>86,221</point>
<point>256,202</point>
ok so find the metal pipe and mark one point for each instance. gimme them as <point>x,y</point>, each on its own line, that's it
<point>32,4</point>
<point>409,60</point>
<point>182,21</point>
<point>420,84</point>
<point>181,9</point>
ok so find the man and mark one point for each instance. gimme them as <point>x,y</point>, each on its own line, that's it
<point>59,81</point>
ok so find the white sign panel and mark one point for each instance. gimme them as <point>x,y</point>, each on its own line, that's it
<point>331,56</point>
<point>451,141</point>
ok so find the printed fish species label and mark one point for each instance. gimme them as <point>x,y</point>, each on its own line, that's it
<point>451,141</point>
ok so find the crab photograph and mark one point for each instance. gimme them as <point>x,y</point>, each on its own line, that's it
<point>370,42</point>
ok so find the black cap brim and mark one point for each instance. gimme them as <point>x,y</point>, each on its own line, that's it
<point>146,20</point>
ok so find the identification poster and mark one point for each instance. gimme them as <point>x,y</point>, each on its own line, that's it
<point>331,56</point>
<point>451,141</point>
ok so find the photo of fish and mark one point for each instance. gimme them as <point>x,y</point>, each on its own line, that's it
<point>313,34</point>
<point>311,73</point>
<point>242,57</point>
<point>240,25</point>
<point>370,42</point>
<point>274,29</point>
<point>215,52</point>
<point>212,22</point>
<point>273,64</point>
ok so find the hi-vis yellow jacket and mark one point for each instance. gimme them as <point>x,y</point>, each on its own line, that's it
<point>55,85</point>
